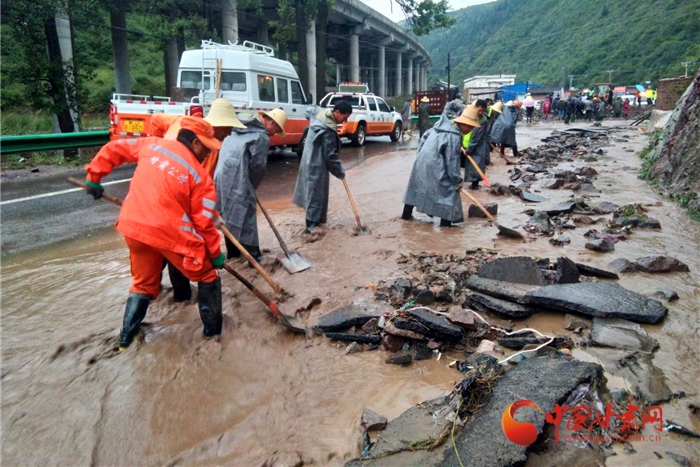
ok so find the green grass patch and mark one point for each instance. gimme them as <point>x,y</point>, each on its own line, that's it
<point>33,123</point>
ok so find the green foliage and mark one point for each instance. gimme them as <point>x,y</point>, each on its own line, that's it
<point>649,157</point>
<point>424,16</point>
<point>544,41</point>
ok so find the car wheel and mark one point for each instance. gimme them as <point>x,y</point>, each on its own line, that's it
<point>300,147</point>
<point>358,139</point>
<point>396,132</point>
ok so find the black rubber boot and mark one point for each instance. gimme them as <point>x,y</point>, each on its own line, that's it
<point>181,285</point>
<point>310,226</point>
<point>407,212</point>
<point>136,306</point>
<point>254,252</point>
<point>210,307</point>
<point>475,185</point>
<point>231,250</point>
<point>445,223</point>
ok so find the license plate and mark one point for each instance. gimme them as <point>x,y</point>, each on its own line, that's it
<point>133,126</point>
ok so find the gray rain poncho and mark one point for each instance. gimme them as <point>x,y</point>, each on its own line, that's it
<point>320,158</point>
<point>435,177</point>
<point>503,130</point>
<point>240,169</point>
<point>479,148</point>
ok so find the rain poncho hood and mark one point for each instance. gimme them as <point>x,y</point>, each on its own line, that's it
<point>503,130</point>
<point>240,169</point>
<point>435,178</point>
<point>319,159</point>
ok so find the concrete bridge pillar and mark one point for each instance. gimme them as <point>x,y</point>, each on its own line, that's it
<point>382,72</point>
<point>416,74</point>
<point>398,90</point>
<point>409,76</point>
<point>311,59</point>
<point>371,73</point>
<point>354,57</point>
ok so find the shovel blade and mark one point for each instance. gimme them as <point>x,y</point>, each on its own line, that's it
<point>510,233</point>
<point>294,262</point>
<point>289,324</point>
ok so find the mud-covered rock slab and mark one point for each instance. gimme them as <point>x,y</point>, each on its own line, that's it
<point>438,326</point>
<point>485,303</point>
<point>504,290</point>
<point>355,314</point>
<point>518,269</point>
<point>620,334</point>
<point>598,299</point>
<point>661,264</point>
<point>590,271</point>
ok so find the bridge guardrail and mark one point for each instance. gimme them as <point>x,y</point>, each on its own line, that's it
<point>52,141</point>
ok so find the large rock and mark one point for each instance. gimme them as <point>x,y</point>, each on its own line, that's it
<point>659,263</point>
<point>600,245</point>
<point>567,272</point>
<point>623,265</point>
<point>518,269</point>
<point>474,211</point>
<point>505,290</point>
<point>599,299</point>
<point>439,328</point>
<point>462,317</point>
<point>620,334</point>
<point>590,271</point>
<point>665,294</point>
<point>372,421</point>
<point>356,314</point>
<point>485,303</point>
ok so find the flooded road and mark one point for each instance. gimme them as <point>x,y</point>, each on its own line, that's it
<point>258,394</point>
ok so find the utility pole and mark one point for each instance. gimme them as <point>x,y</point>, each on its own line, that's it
<point>571,81</point>
<point>449,91</point>
<point>610,72</point>
<point>686,65</point>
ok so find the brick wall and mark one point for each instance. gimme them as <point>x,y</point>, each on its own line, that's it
<point>670,90</point>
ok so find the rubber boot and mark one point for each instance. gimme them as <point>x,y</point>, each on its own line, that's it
<point>475,185</point>
<point>445,223</point>
<point>254,252</point>
<point>407,212</point>
<point>210,307</point>
<point>310,226</point>
<point>181,285</point>
<point>231,250</point>
<point>136,306</point>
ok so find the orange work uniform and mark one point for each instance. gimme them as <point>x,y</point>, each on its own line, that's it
<point>169,212</point>
<point>168,126</point>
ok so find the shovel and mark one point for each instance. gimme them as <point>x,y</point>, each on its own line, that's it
<point>505,231</point>
<point>508,161</point>
<point>250,259</point>
<point>360,228</point>
<point>292,261</point>
<point>476,167</point>
<point>110,198</point>
<point>283,319</point>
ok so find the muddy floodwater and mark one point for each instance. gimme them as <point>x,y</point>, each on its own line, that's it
<point>259,395</point>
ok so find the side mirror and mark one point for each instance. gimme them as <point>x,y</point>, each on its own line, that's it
<point>309,100</point>
<point>392,108</point>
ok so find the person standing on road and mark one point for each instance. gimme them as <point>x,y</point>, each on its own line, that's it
<point>223,118</point>
<point>424,115</point>
<point>503,130</point>
<point>617,107</point>
<point>626,108</point>
<point>478,147</point>
<point>493,112</point>
<point>169,214</point>
<point>561,108</point>
<point>435,181</point>
<point>319,159</point>
<point>406,118</point>
<point>546,107</point>
<point>480,106</point>
<point>529,104</point>
<point>588,109</point>
<point>241,166</point>
<point>601,111</point>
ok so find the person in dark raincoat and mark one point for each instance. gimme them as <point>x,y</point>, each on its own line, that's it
<point>239,171</point>
<point>478,145</point>
<point>319,159</point>
<point>503,130</point>
<point>435,181</point>
<point>480,105</point>
<point>424,115</point>
<point>493,112</point>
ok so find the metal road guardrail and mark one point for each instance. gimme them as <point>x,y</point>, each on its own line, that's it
<point>52,142</point>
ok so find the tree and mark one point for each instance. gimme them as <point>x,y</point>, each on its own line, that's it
<point>120,46</point>
<point>423,16</point>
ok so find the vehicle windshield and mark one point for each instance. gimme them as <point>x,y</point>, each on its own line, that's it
<point>354,101</point>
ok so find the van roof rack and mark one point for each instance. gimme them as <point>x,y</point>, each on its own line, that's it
<point>247,46</point>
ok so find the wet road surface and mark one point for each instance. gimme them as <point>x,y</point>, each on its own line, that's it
<point>258,393</point>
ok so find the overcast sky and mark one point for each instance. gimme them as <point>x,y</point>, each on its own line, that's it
<point>385,6</point>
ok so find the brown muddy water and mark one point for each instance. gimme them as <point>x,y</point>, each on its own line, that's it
<point>258,393</point>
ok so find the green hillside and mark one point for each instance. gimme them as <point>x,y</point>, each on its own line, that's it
<point>545,41</point>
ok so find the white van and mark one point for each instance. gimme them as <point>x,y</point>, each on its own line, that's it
<point>249,76</point>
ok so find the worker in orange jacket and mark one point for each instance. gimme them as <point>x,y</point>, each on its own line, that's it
<point>222,116</point>
<point>169,214</point>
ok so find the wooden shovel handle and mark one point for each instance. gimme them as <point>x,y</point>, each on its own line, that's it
<point>110,198</point>
<point>270,304</point>
<point>250,259</point>
<point>483,209</point>
<point>352,203</point>
<point>478,170</point>
<point>274,229</point>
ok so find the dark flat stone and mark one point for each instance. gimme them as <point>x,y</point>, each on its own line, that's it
<point>557,209</point>
<point>567,272</point>
<point>504,290</point>
<point>518,269</point>
<point>439,327</point>
<point>360,338</point>
<point>474,211</point>
<point>535,169</point>
<point>590,271</point>
<point>620,334</point>
<point>356,314</point>
<point>514,310</point>
<point>552,183</point>
<point>517,343</point>
<point>606,207</point>
<point>411,325</point>
<point>599,299</point>
<point>532,197</point>
<point>665,294</point>
<point>600,245</point>
<point>659,263</point>
<point>403,359</point>
<point>623,265</point>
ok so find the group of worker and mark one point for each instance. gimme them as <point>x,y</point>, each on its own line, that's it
<point>193,174</point>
